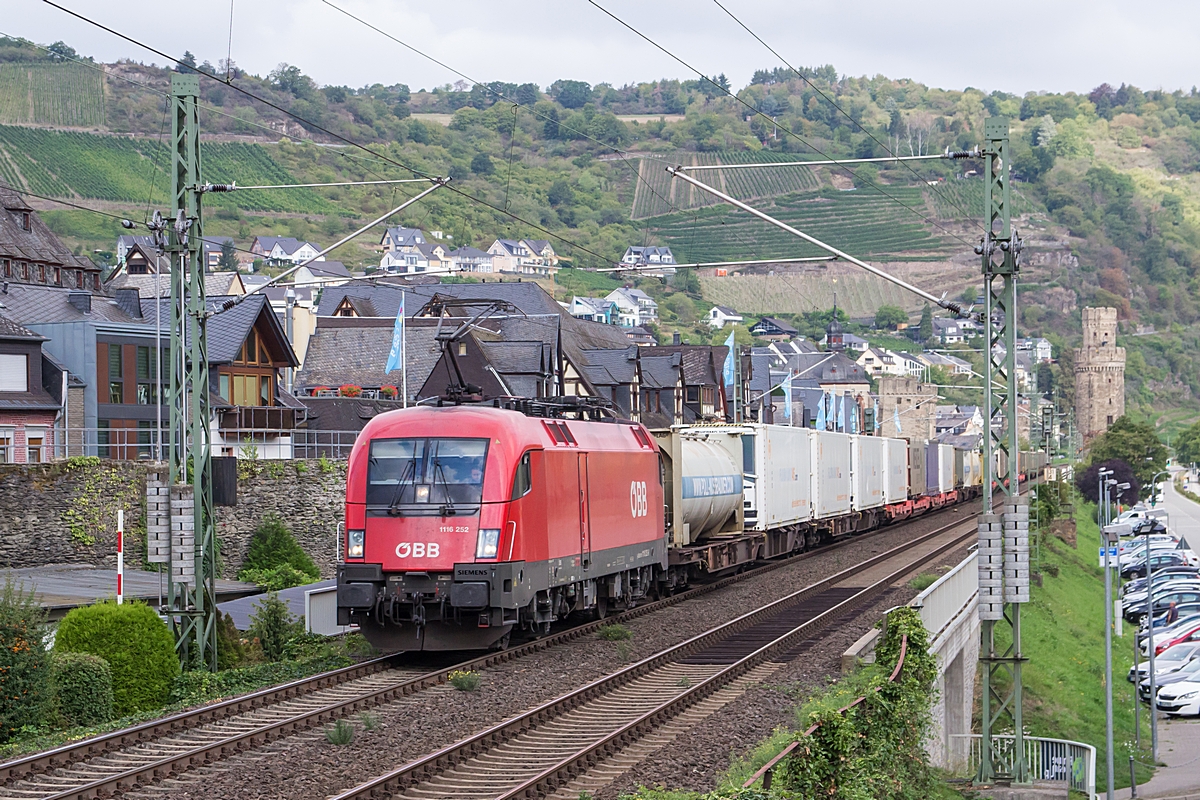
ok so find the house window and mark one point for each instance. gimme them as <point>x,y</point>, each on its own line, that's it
<point>1110,419</point>
<point>41,273</point>
<point>7,454</point>
<point>225,383</point>
<point>102,439</point>
<point>116,385</point>
<point>147,375</point>
<point>57,276</point>
<point>145,437</point>
<point>35,441</point>
<point>708,395</point>
<point>14,372</point>
<point>7,268</point>
<point>25,220</point>
<point>693,394</point>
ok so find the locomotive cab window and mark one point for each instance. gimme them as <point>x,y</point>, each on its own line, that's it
<point>523,480</point>
<point>427,476</point>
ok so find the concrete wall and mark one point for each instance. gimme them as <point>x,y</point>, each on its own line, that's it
<point>65,512</point>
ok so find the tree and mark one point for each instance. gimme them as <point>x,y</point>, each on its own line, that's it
<point>1187,445</point>
<point>187,63</point>
<point>682,306</point>
<point>1136,444</point>
<point>228,259</point>
<point>571,94</point>
<point>1088,482</point>
<point>24,670</point>
<point>481,164</point>
<point>890,317</point>
<point>550,128</point>
<point>925,328</point>
<point>274,626</point>
<point>61,51</point>
<point>561,193</point>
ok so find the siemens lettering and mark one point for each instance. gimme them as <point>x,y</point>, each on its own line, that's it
<point>712,486</point>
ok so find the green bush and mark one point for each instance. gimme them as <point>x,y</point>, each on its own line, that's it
<point>342,733</point>
<point>276,560</point>
<point>136,644</point>
<point>23,663</point>
<point>274,627</point>
<point>201,686</point>
<point>83,688</point>
<point>614,632</point>
<point>233,649</point>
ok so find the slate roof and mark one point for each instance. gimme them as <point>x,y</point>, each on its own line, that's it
<point>468,252</point>
<point>227,329</point>
<point>537,245</point>
<point>727,311</point>
<point>10,330</point>
<point>403,236</point>
<point>31,305</point>
<point>385,297</point>
<point>287,243</point>
<point>328,269</point>
<point>609,367</point>
<point>782,326</point>
<point>36,244</point>
<point>357,354</point>
<point>215,283</point>
<point>660,372</point>
<point>701,364</point>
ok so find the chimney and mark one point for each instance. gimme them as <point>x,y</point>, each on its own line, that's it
<point>675,338</point>
<point>81,300</point>
<point>129,300</point>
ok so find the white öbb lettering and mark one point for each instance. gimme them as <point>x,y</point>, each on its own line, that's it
<point>418,550</point>
<point>638,503</point>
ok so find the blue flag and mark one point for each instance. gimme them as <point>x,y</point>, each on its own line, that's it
<point>821,413</point>
<point>787,397</point>
<point>878,422</point>
<point>896,418</point>
<point>841,417</point>
<point>729,360</point>
<point>395,357</point>
<point>854,417</point>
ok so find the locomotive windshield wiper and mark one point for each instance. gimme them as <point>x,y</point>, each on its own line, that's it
<point>411,469</point>
<point>439,472</point>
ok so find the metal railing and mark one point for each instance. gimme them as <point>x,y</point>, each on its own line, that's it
<point>946,598</point>
<point>150,444</point>
<point>1074,763</point>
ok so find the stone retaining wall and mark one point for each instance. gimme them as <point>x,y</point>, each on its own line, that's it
<point>65,512</point>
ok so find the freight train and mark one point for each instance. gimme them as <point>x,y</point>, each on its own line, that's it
<point>466,524</point>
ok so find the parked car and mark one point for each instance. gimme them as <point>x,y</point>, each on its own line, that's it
<point>1184,637</point>
<point>1163,575</point>
<point>1188,672</point>
<point>1168,662</point>
<point>1180,699</point>
<point>1164,632</point>
<point>1136,542</point>
<point>1138,599</point>
<point>1138,552</point>
<point>1161,600</point>
<point>1158,560</point>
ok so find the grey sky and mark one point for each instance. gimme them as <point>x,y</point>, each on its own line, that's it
<point>1052,44</point>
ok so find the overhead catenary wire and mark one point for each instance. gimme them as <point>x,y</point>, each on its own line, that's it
<point>831,101</point>
<point>537,113</point>
<point>315,126</point>
<point>233,187</point>
<point>707,264</point>
<point>759,113</point>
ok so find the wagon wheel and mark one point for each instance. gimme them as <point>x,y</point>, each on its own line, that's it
<point>601,609</point>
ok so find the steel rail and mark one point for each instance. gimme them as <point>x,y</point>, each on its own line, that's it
<point>182,761</point>
<point>448,757</point>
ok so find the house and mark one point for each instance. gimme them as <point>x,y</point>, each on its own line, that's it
<point>125,243</point>
<point>757,404</point>
<point>30,253</point>
<point>634,307</point>
<point>952,364</point>
<point>29,411</point>
<point>321,272</point>
<point>719,316</point>
<point>283,250</point>
<point>212,249</point>
<point>910,365</point>
<point>948,331</point>
<point>470,259</point>
<point>853,344</point>
<point>302,312</point>
<point>640,336</point>
<point>697,395</point>
<point>1039,347</point>
<point>403,240</point>
<point>636,256</point>
<point>594,309</point>
<point>878,361</point>
<point>116,346</point>
<point>958,420</point>
<point>774,329</point>
<point>423,257</point>
<point>524,257</point>
<point>354,351</point>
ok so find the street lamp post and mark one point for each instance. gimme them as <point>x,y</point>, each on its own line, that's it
<point>1105,481</point>
<point>1152,527</point>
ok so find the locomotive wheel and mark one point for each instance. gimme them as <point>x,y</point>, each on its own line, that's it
<point>501,643</point>
<point>601,609</point>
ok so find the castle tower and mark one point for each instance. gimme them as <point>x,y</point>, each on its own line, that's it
<point>1099,373</point>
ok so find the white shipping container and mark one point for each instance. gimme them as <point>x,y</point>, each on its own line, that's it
<point>945,468</point>
<point>831,468</point>
<point>867,468</point>
<point>895,483</point>
<point>782,469</point>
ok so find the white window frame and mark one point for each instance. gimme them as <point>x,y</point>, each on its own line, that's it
<point>11,364</point>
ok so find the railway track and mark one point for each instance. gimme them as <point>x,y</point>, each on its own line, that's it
<point>147,754</point>
<point>547,749</point>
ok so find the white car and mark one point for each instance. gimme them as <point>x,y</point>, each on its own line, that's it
<point>1135,554</point>
<point>1139,598</point>
<point>1170,661</point>
<point>1179,699</point>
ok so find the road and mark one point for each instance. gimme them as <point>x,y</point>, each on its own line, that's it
<point>1184,514</point>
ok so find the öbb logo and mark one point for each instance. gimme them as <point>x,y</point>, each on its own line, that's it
<point>417,550</point>
<point>638,504</point>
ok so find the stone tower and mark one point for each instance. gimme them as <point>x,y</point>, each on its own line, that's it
<point>1099,373</point>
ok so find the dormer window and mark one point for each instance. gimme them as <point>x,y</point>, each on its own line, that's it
<point>25,220</point>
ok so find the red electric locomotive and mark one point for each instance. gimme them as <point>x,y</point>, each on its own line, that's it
<point>466,523</point>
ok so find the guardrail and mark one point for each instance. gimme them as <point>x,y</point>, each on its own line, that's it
<point>942,602</point>
<point>149,443</point>
<point>1047,759</point>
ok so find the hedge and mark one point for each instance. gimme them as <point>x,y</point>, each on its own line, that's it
<point>136,644</point>
<point>24,671</point>
<point>83,688</point>
<point>272,547</point>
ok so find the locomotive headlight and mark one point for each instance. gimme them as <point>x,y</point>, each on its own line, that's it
<point>354,544</point>
<point>422,493</point>
<point>488,543</point>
